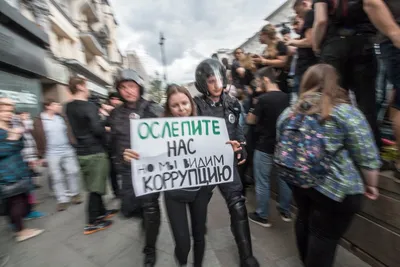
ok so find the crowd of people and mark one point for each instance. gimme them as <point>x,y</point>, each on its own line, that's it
<point>288,113</point>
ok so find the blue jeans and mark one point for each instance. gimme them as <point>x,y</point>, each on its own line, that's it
<point>262,171</point>
<point>391,57</point>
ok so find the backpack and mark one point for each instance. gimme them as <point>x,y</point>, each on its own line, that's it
<point>301,158</point>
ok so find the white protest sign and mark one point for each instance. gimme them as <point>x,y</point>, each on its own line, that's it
<point>180,153</point>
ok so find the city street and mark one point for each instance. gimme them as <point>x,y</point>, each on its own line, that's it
<point>63,243</point>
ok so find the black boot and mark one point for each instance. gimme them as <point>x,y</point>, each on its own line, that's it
<point>151,218</point>
<point>150,257</point>
<point>241,231</point>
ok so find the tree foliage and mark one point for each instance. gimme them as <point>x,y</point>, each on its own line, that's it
<point>156,92</point>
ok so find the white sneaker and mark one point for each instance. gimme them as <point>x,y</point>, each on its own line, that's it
<point>28,234</point>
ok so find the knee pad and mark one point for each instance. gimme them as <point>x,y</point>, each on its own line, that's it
<point>232,201</point>
<point>152,213</point>
<point>238,210</point>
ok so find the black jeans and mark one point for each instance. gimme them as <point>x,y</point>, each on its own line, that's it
<point>320,224</point>
<point>17,208</point>
<point>114,177</point>
<point>148,205</point>
<point>355,61</point>
<point>178,218</point>
<point>95,207</point>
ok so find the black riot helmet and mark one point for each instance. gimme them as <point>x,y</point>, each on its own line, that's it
<point>129,75</point>
<point>206,69</point>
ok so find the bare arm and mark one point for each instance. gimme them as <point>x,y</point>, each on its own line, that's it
<point>279,62</point>
<point>303,43</point>
<point>251,118</point>
<point>382,18</point>
<point>320,25</point>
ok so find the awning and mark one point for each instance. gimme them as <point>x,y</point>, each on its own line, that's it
<point>27,28</point>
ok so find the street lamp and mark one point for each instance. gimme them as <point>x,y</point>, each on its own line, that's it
<point>164,61</point>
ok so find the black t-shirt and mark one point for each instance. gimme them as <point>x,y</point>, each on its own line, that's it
<point>269,106</point>
<point>282,48</point>
<point>235,75</point>
<point>238,81</point>
<point>281,80</point>
<point>283,72</point>
<point>356,18</point>
<point>306,57</point>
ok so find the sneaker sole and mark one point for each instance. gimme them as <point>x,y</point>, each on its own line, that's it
<point>97,230</point>
<point>22,239</point>
<point>286,219</point>
<point>266,225</point>
<point>109,216</point>
<point>34,218</point>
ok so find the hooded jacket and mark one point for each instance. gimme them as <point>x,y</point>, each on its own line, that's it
<point>120,126</point>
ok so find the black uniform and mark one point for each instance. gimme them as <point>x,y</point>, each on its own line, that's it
<point>121,140</point>
<point>212,72</point>
<point>120,130</point>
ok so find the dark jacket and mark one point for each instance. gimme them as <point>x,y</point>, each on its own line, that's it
<point>120,126</point>
<point>87,126</point>
<point>231,108</point>
<point>40,136</point>
<point>12,166</point>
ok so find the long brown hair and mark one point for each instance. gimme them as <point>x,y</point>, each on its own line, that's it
<point>322,80</point>
<point>271,51</point>
<point>175,89</point>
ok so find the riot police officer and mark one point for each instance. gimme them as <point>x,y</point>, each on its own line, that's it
<point>210,82</point>
<point>131,89</point>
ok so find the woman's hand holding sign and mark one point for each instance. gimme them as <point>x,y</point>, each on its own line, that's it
<point>240,152</point>
<point>129,155</point>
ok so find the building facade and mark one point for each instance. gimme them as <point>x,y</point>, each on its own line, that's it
<point>81,41</point>
<point>223,53</point>
<point>281,15</point>
<point>23,52</point>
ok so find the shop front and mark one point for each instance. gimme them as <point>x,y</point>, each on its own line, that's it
<point>22,52</point>
<point>25,92</point>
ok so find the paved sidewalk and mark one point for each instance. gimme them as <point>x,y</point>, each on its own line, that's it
<point>64,245</point>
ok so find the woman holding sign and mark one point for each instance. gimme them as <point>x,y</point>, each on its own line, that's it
<point>180,104</point>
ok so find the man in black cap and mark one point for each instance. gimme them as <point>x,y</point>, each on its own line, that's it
<point>210,82</point>
<point>131,89</point>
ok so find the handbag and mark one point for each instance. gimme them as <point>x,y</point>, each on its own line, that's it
<point>13,189</point>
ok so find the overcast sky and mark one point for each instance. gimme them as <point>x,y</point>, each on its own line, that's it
<point>194,29</point>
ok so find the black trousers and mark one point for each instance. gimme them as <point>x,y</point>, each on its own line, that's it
<point>114,177</point>
<point>232,193</point>
<point>178,218</point>
<point>355,61</point>
<point>320,224</point>
<point>147,204</point>
<point>95,207</point>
